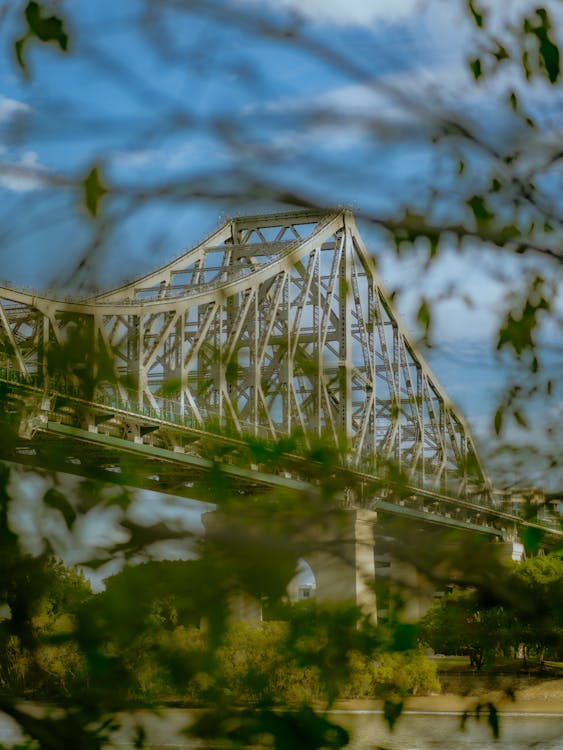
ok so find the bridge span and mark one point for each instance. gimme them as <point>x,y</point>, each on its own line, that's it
<point>270,338</point>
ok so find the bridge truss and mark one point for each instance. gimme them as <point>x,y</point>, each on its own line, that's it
<point>274,325</point>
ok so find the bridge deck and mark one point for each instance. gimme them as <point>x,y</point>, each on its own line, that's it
<point>210,465</point>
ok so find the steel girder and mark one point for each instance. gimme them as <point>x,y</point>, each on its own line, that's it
<point>274,324</point>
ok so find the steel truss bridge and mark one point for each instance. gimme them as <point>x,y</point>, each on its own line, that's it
<point>275,327</point>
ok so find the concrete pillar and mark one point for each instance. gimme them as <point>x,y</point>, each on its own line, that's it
<point>514,550</point>
<point>340,552</point>
<point>241,605</point>
<point>342,560</point>
<point>244,608</point>
<point>416,590</point>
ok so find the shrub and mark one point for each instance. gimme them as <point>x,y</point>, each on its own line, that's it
<point>401,673</point>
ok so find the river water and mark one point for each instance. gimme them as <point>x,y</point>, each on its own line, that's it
<point>441,731</point>
<point>414,731</point>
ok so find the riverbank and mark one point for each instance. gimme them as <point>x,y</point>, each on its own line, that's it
<point>545,697</point>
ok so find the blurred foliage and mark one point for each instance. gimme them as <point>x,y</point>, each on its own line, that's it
<point>164,629</point>
<point>41,657</point>
<point>522,615</point>
<point>41,28</point>
<point>167,632</point>
<point>483,190</point>
<point>460,625</point>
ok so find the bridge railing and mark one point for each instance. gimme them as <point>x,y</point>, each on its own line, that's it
<point>168,411</point>
<point>7,372</point>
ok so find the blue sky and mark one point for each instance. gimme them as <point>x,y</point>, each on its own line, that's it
<point>202,106</point>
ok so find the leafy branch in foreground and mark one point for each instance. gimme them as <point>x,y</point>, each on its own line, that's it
<point>164,628</point>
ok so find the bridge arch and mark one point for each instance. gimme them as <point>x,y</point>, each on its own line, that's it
<point>303,585</point>
<point>274,323</point>
<point>273,326</point>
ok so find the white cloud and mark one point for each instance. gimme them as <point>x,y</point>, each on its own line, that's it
<point>153,507</point>
<point>195,153</point>
<point>175,157</point>
<point>11,107</point>
<point>23,175</point>
<point>350,12</point>
<point>435,81</point>
<point>27,515</point>
<point>395,104</point>
<point>371,12</point>
<point>134,158</point>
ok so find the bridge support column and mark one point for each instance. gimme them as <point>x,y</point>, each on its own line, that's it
<point>342,560</point>
<point>339,550</point>
<point>514,550</point>
<point>414,588</point>
<point>242,606</point>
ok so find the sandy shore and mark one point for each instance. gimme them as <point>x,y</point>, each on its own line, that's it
<point>545,697</point>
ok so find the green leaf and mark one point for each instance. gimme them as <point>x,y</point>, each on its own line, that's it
<point>434,242</point>
<point>493,719</point>
<point>550,56</point>
<point>548,51</point>
<point>18,47</point>
<point>497,422</point>
<point>43,28</point>
<point>501,53</point>
<point>231,372</point>
<point>478,15</point>
<point>526,65</point>
<point>520,324</point>
<point>508,233</point>
<point>392,711</point>
<point>516,334</point>
<point>47,29</point>
<point>404,636</point>
<point>480,211</point>
<point>532,538</point>
<point>55,499</point>
<point>424,316</point>
<point>94,190</point>
<point>140,737</point>
<point>475,66</point>
<point>96,562</point>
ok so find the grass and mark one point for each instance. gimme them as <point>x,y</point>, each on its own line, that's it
<point>452,663</point>
<point>460,664</point>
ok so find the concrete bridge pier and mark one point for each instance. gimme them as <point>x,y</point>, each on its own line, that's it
<point>342,559</point>
<point>339,550</point>
<point>414,588</point>
<point>224,534</point>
